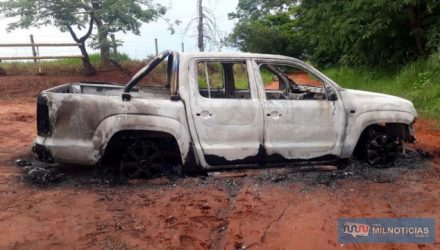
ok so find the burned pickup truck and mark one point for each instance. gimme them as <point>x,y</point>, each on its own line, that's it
<point>218,110</point>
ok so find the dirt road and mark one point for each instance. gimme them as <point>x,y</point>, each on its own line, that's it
<point>264,210</point>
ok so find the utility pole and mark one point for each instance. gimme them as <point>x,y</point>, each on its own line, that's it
<point>208,33</point>
<point>201,43</point>
<point>157,46</point>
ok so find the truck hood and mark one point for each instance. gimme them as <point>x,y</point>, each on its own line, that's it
<point>364,101</point>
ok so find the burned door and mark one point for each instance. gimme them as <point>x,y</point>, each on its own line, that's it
<point>226,111</point>
<point>299,119</point>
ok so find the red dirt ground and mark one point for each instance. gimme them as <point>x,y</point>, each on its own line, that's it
<point>299,78</point>
<point>194,212</point>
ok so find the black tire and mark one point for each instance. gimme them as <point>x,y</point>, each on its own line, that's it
<point>142,159</point>
<point>380,150</point>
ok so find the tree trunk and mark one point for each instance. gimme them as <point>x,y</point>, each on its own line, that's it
<point>417,29</point>
<point>2,72</point>
<point>201,43</point>
<point>88,67</point>
<point>104,46</point>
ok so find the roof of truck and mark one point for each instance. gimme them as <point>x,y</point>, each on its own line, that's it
<point>235,54</point>
<point>189,55</point>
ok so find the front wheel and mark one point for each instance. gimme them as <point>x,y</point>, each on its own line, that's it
<point>381,149</point>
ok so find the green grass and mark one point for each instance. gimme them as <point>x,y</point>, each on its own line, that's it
<point>418,81</point>
<point>215,74</point>
<point>55,67</point>
<point>267,76</point>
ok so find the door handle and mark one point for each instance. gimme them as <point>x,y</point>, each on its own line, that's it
<point>204,114</point>
<point>274,115</point>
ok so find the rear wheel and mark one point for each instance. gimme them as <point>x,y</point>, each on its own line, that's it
<point>143,159</point>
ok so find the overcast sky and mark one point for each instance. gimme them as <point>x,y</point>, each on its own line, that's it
<point>135,46</point>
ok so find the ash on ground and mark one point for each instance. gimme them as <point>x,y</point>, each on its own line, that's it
<point>356,169</point>
<point>41,174</point>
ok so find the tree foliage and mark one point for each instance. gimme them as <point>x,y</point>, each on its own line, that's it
<point>126,16</point>
<point>352,32</point>
<point>108,16</point>
<point>267,27</point>
<point>66,15</point>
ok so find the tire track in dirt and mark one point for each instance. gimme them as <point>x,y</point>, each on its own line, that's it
<point>218,236</point>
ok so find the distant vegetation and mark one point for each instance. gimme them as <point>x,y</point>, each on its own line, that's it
<point>82,18</point>
<point>417,81</point>
<point>379,45</point>
<point>65,66</point>
<point>333,33</point>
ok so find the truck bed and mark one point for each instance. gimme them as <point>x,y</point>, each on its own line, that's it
<point>111,89</point>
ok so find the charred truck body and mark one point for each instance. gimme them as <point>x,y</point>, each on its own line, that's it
<point>217,110</point>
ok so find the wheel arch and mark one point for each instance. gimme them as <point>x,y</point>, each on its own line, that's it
<point>395,122</point>
<point>144,126</point>
<point>124,138</point>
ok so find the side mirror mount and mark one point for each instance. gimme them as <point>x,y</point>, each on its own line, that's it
<point>333,97</point>
<point>331,94</point>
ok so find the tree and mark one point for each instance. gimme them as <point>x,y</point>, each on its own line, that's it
<point>327,32</point>
<point>259,9</point>
<point>200,29</point>
<point>113,16</point>
<point>66,15</point>
<point>109,16</point>
<point>88,68</point>
<point>267,27</point>
<point>370,32</point>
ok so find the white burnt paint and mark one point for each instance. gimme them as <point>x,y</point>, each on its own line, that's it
<point>85,116</point>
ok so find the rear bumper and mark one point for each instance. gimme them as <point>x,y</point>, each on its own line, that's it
<point>42,153</point>
<point>51,150</point>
